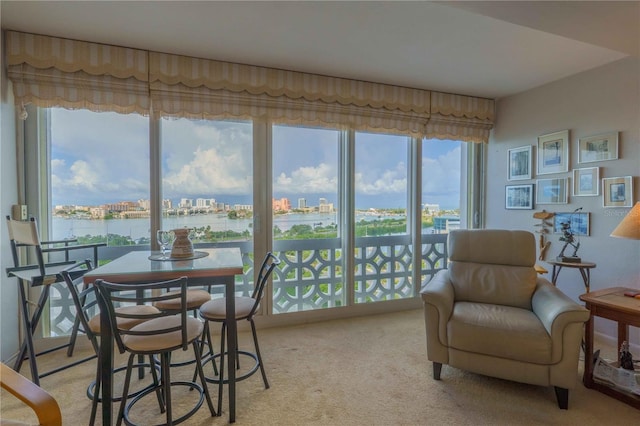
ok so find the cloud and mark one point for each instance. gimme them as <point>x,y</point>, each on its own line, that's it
<point>312,180</point>
<point>391,181</point>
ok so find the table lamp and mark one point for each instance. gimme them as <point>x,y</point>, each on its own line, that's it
<point>630,225</point>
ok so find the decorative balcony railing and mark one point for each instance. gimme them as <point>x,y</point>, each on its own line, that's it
<point>311,273</point>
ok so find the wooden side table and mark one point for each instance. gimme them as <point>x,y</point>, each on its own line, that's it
<point>610,303</point>
<point>584,268</point>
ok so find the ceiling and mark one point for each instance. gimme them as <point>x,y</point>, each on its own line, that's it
<point>488,49</point>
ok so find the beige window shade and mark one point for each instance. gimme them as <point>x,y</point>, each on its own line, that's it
<point>50,71</point>
<point>192,87</point>
<point>458,117</point>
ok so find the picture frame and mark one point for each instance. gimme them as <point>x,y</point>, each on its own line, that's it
<point>586,182</point>
<point>600,147</point>
<point>553,153</point>
<point>551,191</point>
<point>519,197</point>
<point>617,191</point>
<point>519,163</point>
<point>578,221</point>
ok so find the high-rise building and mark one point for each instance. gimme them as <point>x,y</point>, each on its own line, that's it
<point>322,201</point>
<point>302,203</point>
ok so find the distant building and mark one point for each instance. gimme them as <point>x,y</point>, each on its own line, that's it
<point>282,204</point>
<point>325,208</point>
<point>185,203</point>
<point>431,209</point>
<point>247,207</point>
<point>302,203</point>
<point>322,201</point>
<point>444,224</point>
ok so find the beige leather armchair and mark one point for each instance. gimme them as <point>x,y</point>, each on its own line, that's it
<point>489,313</point>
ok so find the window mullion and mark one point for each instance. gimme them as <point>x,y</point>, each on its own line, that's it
<point>347,211</point>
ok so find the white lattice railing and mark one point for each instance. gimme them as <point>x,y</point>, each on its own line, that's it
<point>311,274</point>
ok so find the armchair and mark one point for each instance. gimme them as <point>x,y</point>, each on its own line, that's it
<point>489,313</point>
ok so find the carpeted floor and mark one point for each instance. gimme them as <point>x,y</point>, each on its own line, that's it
<point>362,371</point>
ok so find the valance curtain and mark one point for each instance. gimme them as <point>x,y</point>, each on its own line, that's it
<point>193,87</point>
<point>49,71</point>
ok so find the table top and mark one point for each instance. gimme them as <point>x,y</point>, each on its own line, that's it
<point>572,264</point>
<point>136,266</point>
<point>613,298</point>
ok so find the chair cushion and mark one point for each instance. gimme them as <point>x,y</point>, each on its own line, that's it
<point>492,246</point>
<point>125,323</point>
<point>500,331</point>
<point>195,299</point>
<point>502,285</point>
<point>216,309</point>
<point>166,341</point>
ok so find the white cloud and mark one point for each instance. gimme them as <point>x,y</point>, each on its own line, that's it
<point>312,180</point>
<point>391,181</point>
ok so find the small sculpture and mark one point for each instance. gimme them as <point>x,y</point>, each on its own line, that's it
<point>569,240</point>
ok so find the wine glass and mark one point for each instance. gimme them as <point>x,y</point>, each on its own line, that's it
<point>165,239</point>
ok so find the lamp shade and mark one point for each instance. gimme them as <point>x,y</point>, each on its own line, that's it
<point>630,225</point>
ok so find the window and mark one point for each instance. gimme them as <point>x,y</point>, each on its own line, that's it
<point>305,219</point>
<point>383,251</point>
<point>207,172</point>
<point>99,176</point>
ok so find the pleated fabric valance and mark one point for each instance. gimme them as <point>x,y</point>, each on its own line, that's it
<point>458,117</point>
<point>49,71</point>
<point>193,87</point>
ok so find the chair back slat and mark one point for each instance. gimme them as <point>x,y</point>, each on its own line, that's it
<point>111,295</point>
<point>268,265</point>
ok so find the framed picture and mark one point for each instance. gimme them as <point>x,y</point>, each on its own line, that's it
<point>519,197</point>
<point>617,191</point>
<point>578,221</point>
<point>586,182</point>
<point>520,163</point>
<point>553,153</point>
<point>551,191</point>
<point>598,148</point>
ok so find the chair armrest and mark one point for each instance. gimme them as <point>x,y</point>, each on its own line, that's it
<point>555,309</point>
<point>439,295</point>
<point>42,403</point>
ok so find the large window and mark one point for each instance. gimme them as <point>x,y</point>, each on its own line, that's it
<point>305,171</point>
<point>336,200</point>
<point>207,185</point>
<point>99,176</point>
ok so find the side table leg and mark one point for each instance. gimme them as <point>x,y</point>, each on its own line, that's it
<point>587,377</point>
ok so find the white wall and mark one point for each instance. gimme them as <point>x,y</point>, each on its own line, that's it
<point>8,196</point>
<point>596,101</point>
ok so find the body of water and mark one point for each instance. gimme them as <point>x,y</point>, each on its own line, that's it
<point>139,228</point>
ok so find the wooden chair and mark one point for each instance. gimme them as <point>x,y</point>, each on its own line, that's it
<point>32,270</point>
<point>40,401</point>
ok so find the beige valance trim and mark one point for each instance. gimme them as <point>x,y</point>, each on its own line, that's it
<point>43,52</point>
<point>204,103</point>
<point>217,75</point>
<point>54,88</point>
<point>447,104</point>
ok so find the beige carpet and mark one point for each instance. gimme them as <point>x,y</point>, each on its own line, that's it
<point>361,371</point>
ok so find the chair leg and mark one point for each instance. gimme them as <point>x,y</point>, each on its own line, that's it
<point>221,376</point>
<point>255,343</point>
<point>562,395</point>
<point>437,367</point>
<point>125,390</point>
<point>27,346</point>
<point>200,372</point>
<point>166,384</point>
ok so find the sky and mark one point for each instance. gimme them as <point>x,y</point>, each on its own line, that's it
<point>103,157</point>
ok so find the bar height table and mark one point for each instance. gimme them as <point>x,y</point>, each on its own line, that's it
<point>218,267</point>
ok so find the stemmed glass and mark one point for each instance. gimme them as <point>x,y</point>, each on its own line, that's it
<point>165,239</point>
